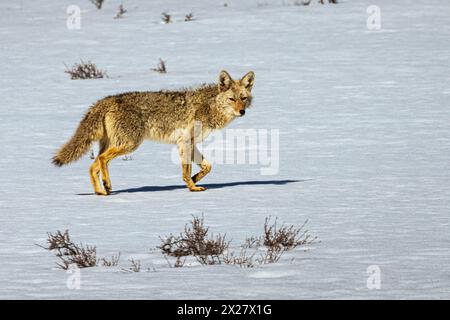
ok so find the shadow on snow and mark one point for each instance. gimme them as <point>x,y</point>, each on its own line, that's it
<point>208,186</point>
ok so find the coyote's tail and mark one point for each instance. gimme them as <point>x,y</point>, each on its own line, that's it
<point>89,130</point>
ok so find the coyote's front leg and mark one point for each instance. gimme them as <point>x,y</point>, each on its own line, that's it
<point>185,150</point>
<point>205,166</point>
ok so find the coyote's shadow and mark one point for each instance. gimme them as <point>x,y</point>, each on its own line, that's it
<point>208,186</point>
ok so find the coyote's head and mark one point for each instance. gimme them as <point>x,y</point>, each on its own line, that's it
<point>235,95</point>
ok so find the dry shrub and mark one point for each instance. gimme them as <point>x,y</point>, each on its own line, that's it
<point>174,247</point>
<point>189,17</point>
<point>85,70</point>
<point>279,240</point>
<point>195,241</point>
<point>161,67</point>
<point>242,259</point>
<point>272,255</point>
<point>121,12</point>
<point>285,236</point>
<point>71,253</point>
<point>274,242</point>
<point>208,250</point>
<point>135,265</point>
<point>112,262</point>
<point>166,18</point>
<point>251,242</point>
<point>98,3</point>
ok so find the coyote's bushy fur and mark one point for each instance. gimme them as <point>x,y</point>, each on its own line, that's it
<point>121,122</point>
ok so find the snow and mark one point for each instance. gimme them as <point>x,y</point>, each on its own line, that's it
<point>363,120</point>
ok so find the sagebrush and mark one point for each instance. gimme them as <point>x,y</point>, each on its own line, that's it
<point>85,70</point>
<point>195,241</point>
<point>70,253</point>
<point>98,3</point>
<point>166,18</point>
<point>120,12</point>
<point>211,249</point>
<point>161,67</point>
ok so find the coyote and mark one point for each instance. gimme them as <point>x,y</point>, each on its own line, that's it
<point>121,122</point>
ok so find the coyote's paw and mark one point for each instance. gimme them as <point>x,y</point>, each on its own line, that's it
<point>107,186</point>
<point>101,193</point>
<point>196,189</point>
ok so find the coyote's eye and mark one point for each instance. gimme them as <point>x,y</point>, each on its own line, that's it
<point>232,99</point>
<point>243,98</point>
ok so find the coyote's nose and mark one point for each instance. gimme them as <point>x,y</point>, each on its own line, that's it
<point>242,112</point>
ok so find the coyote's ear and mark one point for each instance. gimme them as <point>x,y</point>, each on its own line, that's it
<point>248,80</point>
<point>224,81</point>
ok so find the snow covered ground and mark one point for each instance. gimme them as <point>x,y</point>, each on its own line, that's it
<point>363,119</point>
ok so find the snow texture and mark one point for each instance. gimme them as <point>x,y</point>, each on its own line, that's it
<point>363,117</point>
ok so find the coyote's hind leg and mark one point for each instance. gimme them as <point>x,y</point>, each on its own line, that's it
<point>104,160</point>
<point>94,173</point>
<point>94,170</point>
